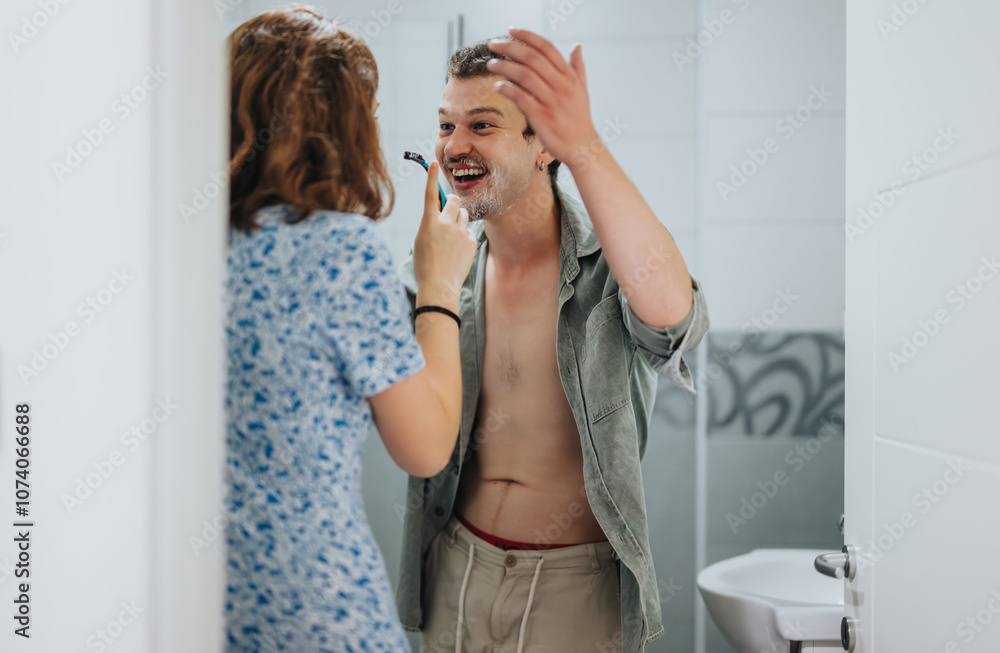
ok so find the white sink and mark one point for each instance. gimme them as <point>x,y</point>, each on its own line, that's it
<point>765,599</point>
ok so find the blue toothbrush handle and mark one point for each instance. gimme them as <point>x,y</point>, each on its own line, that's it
<point>417,158</point>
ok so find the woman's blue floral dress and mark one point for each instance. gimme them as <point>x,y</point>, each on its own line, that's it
<point>317,321</point>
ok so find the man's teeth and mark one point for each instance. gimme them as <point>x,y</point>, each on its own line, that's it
<point>467,171</point>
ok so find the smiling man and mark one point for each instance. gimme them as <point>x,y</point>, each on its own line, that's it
<point>535,534</point>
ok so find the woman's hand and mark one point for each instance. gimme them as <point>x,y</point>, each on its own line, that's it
<point>443,249</point>
<point>419,417</point>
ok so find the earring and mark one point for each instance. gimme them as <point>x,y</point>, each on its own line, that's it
<point>541,166</point>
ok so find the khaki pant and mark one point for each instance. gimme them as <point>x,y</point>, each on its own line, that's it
<point>575,605</point>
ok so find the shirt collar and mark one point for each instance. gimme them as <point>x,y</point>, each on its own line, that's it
<point>577,229</point>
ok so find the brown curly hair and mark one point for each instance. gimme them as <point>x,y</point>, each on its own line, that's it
<point>302,129</point>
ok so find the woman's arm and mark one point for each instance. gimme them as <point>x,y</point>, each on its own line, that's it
<point>419,417</point>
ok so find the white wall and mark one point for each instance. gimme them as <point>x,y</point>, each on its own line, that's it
<point>780,228</point>
<point>922,461</point>
<point>106,229</point>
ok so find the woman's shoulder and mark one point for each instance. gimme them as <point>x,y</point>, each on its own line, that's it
<point>349,247</point>
<point>324,230</point>
<point>286,216</point>
<point>349,235</point>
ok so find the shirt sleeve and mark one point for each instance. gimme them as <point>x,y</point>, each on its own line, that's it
<point>663,348</point>
<point>409,277</point>
<point>368,316</point>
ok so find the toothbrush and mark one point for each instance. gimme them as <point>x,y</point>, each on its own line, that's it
<point>413,156</point>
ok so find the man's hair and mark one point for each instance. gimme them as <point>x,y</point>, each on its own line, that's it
<point>470,61</point>
<point>302,130</point>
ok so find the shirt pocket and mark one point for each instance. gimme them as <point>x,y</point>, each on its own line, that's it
<point>605,363</point>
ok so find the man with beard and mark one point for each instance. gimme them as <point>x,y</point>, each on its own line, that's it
<point>536,531</point>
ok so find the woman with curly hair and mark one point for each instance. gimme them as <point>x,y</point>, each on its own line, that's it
<point>320,339</point>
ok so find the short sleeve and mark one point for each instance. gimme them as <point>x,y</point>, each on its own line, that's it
<point>663,348</point>
<point>367,314</point>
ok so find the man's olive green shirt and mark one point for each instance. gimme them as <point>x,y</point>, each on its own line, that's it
<point>608,360</point>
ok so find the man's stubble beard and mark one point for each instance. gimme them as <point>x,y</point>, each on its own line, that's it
<point>502,190</point>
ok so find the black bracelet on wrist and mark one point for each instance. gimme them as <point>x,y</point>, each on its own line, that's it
<point>437,309</point>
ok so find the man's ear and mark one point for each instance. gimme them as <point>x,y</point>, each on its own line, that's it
<point>545,158</point>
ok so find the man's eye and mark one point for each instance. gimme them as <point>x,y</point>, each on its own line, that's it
<point>445,126</point>
<point>482,125</point>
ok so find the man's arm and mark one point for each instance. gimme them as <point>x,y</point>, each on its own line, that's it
<point>552,93</point>
<point>662,348</point>
<point>639,250</point>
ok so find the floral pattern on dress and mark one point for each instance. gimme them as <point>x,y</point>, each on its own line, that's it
<point>316,322</point>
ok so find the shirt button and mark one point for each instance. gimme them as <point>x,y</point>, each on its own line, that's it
<point>439,511</point>
<point>510,560</point>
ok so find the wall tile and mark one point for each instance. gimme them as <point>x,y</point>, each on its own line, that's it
<point>665,172</point>
<point>628,19</point>
<point>771,52</point>
<point>935,529</point>
<point>787,492</point>
<point>918,89</point>
<point>747,266</point>
<point>924,266</point>
<point>669,486</point>
<point>625,98</point>
<point>486,20</point>
<point>760,386</point>
<point>412,61</point>
<point>800,178</point>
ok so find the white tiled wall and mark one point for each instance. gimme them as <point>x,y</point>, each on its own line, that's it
<point>754,261</point>
<point>635,83</point>
<point>784,172</point>
<point>664,169</point>
<point>773,224</point>
<point>589,20</point>
<point>936,582</point>
<point>945,235</point>
<point>771,51</point>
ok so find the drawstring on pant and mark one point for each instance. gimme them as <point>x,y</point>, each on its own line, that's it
<point>461,599</point>
<point>527,608</point>
<point>461,602</point>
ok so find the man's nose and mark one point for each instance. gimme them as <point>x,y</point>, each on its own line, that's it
<point>458,145</point>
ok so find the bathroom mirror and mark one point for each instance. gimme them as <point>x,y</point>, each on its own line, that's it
<point>729,117</point>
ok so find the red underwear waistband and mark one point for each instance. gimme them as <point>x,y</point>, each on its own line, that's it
<point>504,543</point>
